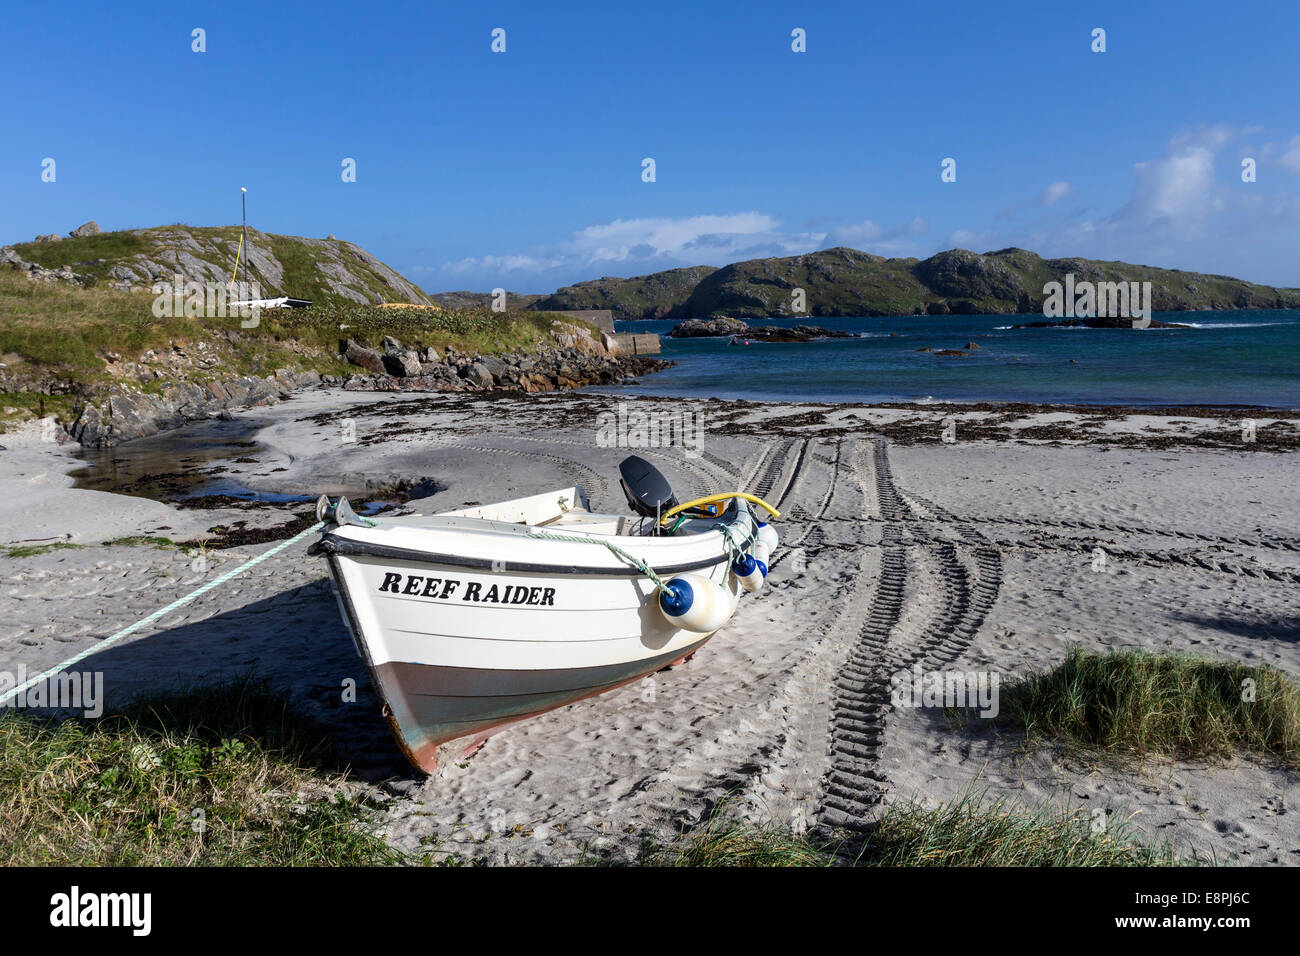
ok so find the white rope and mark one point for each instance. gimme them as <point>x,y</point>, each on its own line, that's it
<point>642,566</point>
<point>179,602</point>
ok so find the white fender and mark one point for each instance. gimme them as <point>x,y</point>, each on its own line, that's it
<point>767,534</point>
<point>694,603</point>
<point>748,572</point>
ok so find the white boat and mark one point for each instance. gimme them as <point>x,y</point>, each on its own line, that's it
<point>471,619</point>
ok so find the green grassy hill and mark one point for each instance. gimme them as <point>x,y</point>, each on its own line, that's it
<point>62,344</point>
<point>327,271</point>
<point>848,282</point>
<point>641,297</point>
<point>845,281</point>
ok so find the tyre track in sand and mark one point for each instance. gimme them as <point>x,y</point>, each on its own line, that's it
<point>861,694</point>
<point>1271,542</point>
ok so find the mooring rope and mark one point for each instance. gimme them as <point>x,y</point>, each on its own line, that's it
<point>179,602</point>
<point>642,566</point>
<point>733,549</point>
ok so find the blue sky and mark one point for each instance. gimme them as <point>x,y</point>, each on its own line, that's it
<point>524,169</point>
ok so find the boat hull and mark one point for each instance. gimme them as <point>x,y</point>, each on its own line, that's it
<point>428,705</point>
<point>448,668</point>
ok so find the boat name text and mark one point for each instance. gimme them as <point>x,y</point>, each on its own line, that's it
<point>444,589</point>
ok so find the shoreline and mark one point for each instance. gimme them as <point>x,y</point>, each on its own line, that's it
<point>1195,408</point>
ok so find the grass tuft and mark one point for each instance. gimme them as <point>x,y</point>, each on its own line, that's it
<point>33,550</point>
<point>970,831</point>
<point>727,839</point>
<point>218,776</point>
<point>1135,703</point>
<point>974,831</point>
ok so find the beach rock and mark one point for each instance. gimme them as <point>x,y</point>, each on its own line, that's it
<point>970,346</point>
<point>478,375</point>
<point>85,229</point>
<point>390,344</point>
<point>497,368</point>
<point>430,355</point>
<point>89,427</point>
<point>51,237</point>
<point>132,416</point>
<point>358,354</point>
<point>403,364</point>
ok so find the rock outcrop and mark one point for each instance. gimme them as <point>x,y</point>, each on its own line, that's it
<point>723,325</point>
<point>128,413</point>
<point>571,365</point>
<point>10,258</point>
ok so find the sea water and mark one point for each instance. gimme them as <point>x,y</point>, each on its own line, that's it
<point>1249,358</point>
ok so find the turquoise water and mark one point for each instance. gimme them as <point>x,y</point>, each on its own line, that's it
<point>1226,359</point>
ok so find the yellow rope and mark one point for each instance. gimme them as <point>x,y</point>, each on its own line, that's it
<point>719,497</point>
<point>239,253</point>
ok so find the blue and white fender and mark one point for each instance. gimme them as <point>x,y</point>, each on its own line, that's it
<point>768,536</point>
<point>694,603</point>
<point>749,572</point>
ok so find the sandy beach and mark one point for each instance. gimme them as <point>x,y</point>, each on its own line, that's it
<point>898,548</point>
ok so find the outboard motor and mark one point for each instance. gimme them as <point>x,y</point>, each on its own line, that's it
<point>647,490</point>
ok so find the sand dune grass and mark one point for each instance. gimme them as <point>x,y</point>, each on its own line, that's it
<point>971,831</point>
<point>1138,703</point>
<point>217,776</point>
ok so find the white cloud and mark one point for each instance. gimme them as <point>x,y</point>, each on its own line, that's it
<point>1177,190</point>
<point>1055,193</point>
<point>632,246</point>
<point>974,241</point>
<point>1186,209</point>
<point>653,242</point>
<point>869,237</point>
<point>1291,158</point>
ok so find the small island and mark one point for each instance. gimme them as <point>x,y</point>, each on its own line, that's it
<point>724,326</point>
